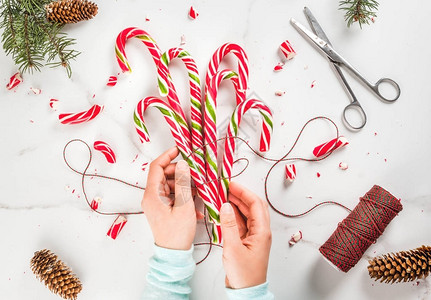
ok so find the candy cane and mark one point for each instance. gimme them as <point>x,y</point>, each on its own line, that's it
<point>242,67</point>
<point>120,45</point>
<point>166,88</point>
<point>81,117</point>
<point>176,125</point>
<point>232,131</point>
<point>106,150</point>
<point>210,125</point>
<point>133,32</point>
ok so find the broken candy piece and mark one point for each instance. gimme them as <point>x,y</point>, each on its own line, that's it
<point>192,13</point>
<point>287,50</point>
<point>81,117</point>
<point>343,166</point>
<point>36,91</point>
<point>53,103</point>
<point>278,67</point>
<point>116,227</point>
<point>106,150</point>
<point>14,81</point>
<point>290,172</point>
<point>296,237</point>
<point>112,81</point>
<point>95,203</point>
<point>330,146</point>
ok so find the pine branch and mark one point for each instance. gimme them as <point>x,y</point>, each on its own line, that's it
<point>30,39</point>
<point>55,46</point>
<point>361,11</point>
<point>9,35</point>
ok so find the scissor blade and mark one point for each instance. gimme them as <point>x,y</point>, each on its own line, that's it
<point>321,44</point>
<point>315,26</point>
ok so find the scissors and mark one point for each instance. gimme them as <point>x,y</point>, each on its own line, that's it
<point>320,39</point>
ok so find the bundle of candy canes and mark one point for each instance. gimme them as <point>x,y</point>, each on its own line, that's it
<point>197,142</point>
<point>196,138</point>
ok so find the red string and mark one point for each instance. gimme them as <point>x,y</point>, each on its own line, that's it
<point>361,228</point>
<point>276,161</point>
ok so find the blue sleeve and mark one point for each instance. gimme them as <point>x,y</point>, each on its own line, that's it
<point>169,274</point>
<point>258,292</point>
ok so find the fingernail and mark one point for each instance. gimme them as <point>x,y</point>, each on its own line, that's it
<point>226,208</point>
<point>182,165</point>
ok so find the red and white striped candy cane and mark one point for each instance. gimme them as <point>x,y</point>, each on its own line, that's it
<point>167,88</point>
<point>81,117</point>
<point>210,125</point>
<point>133,32</point>
<point>333,144</point>
<point>242,67</point>
<point>232,131</point>
<point>176,125</point>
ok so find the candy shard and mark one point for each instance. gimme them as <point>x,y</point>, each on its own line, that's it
<point>36,91</point>
<point>343,166</point>
<point>278,67</point>
<point>95,203</point>
<point>112,81</point>
<point>53,103</point>
<point>14,81</point>
<point>296,237</point>
<point>106,150</point>
<point>313,84</point>
<point>116,227</point>
<point>279,93</point>
<point>287,50</point>
<point>290,172</point>
<point>192,13</point>
<point>330,146</point>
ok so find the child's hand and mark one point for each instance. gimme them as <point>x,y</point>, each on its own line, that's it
<point>247,241</point>
<point>172,219</point>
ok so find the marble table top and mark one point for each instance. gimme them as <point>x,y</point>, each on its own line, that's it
<point>42,205</point>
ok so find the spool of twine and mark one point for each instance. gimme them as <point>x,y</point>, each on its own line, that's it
<point>361,228</point>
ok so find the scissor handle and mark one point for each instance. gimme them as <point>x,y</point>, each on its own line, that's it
<point>376,89</point>
<point>357,108</point>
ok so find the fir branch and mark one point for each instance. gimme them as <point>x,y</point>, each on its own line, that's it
<point>55,46</point>
<point>9,39</point>
<point>361,11</point>
<point>30,39</point>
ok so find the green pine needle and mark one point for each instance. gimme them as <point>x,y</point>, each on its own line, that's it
<point>31,40</point>
<point>361,11</point>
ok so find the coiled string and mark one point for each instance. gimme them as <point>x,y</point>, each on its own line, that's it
<point>361,228</point>
<point>284,158</point>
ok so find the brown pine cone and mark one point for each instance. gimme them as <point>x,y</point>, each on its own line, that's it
<point>55,274</point>
<point>401,266</point>
<point>70,11</point>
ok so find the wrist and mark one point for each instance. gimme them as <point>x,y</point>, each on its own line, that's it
<point>248,283</point>
<point>172,245</point>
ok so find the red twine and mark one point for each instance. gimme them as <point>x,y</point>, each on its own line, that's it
<point>361,228</point>
<point>376,216</point>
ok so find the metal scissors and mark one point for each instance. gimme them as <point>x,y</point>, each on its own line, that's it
<point>322,42</point>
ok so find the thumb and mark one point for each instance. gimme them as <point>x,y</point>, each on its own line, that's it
<point>183,190</point>
<point>229,226</point>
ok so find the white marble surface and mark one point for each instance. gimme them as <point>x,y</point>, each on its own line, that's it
<point>36,211</point>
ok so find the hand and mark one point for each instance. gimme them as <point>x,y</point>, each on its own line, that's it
<point>172,219</point>
<point>247,238</point>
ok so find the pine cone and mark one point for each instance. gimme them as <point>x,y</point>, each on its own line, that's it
<point>402,266</point>
<point>70,11</point>
<point>55,274</point>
